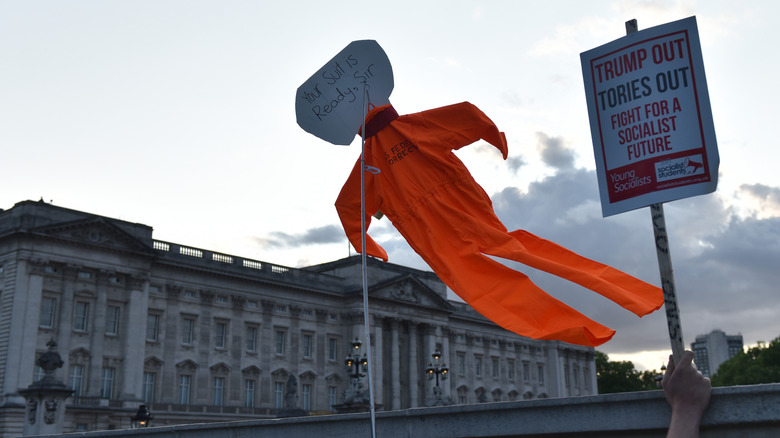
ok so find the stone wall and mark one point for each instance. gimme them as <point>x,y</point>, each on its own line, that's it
<point>741,411</point>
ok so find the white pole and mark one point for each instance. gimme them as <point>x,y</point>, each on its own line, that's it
<point>365,269</point>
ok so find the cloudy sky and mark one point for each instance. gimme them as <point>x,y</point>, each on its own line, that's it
<point>180,115</point>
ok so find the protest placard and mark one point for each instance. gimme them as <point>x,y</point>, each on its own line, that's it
<point>650,117</point>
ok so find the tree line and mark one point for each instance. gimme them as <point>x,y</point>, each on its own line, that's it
<point>759,364</point>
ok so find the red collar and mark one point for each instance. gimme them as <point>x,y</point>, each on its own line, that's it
<point>381,118</point>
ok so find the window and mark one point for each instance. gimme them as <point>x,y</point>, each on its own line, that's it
<point>107,383</point>
<point>38,373</point>
<point>152,327</point>
<point>48,308</point>
<point>331,397</point>
<point>184,389</point>
<point>306,397</point>
<point>585,375</point>
<point>112,320</point>
<point>219,390</point>
<point>333,349</point>
<point>307,342</point>
<point>188,331</point>
<point>278,395</point>
<point>461,364</point>
<point>76,379</point>
<point>494,367</point>
<point>220,335</point>
<point>576,376</point>
<point>478,366</point>
<point>249,393</point>
<point>540,370</point>
<point>148,387</point>
<point>566,377</point>
<point>81,318</point>
<point>251,339</point>
<point>85,275</point>
<point>510,369</point>
<point>281,336</point>
<point>526,372</point>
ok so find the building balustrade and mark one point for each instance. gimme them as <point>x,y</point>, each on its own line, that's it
<point>206,258</point>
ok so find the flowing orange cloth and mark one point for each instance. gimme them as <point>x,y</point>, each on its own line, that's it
<point>448,219</point>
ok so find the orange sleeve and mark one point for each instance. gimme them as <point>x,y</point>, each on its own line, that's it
<point>348,208</point>
<point>458,125</point>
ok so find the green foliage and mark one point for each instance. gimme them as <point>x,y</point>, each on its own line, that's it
<point>759,364</point>
<point>622,376</point>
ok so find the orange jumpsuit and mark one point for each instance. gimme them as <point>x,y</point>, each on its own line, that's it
<point>448,219</point>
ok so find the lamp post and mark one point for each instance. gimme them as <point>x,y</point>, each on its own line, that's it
<point>356,365</point>
<point>142,418</point>
<point>355,398</point>
<point>660,377</point>
<point>435,370</point>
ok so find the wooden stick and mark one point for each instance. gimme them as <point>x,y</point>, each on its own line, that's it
<point>664,261</point>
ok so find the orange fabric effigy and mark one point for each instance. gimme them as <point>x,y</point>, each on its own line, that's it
<point>448,219</point>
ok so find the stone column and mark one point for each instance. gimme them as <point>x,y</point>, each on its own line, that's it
<point>395,381</point>
<point>171,338</point>
<point>237,349</point>
<point>135,338</point>
<point>377,350</point>
<point>27,292</point>
<point>449,358</point>
<point>414,367</point>
<point>98,334</point>
<point>429,345</point>
<point>65,314</point>
<point>267,351</point>
<point>295,348</point>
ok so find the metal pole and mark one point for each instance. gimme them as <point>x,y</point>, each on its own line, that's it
<point>664,261</point>
<point>364,262</point>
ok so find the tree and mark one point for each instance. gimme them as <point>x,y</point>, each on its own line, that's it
<point>760,364</point>
<point>622,376</point>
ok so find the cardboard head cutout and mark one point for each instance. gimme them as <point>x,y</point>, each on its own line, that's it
<point>330,104</point>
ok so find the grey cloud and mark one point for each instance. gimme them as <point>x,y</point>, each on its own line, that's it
<point>725,267</point>
<point>554,152</point>
<point>769,197</point>
<point>314,236</point>
<point>515,163</point>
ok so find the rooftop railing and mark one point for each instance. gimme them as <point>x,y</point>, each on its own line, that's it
<point>216,260</point>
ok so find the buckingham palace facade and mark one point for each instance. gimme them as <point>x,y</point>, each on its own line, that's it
<point>201,336</point>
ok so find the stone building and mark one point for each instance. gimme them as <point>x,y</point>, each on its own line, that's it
<point>713,349</point>
<point>201,336</point>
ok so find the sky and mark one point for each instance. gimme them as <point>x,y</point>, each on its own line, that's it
<point>180,115</point>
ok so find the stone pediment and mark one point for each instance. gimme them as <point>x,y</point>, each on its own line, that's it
<point>95,231</point>
<point>411,291</point>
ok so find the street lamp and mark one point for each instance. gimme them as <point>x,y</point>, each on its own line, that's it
<point>660,377</point>
<point>355,364</point>
<point>436,369</point>
<point>142,418</point>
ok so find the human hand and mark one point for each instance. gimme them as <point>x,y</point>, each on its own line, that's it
<point>688,393</point>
